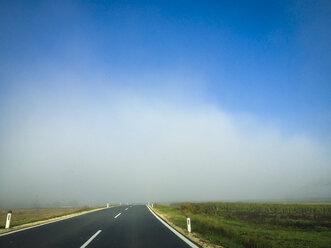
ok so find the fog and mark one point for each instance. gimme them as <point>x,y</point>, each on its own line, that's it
<point>78,145</point>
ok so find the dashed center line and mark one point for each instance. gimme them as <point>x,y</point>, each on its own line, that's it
<point>126,209</point>
<point>117,215</point>
<point>90,239</point>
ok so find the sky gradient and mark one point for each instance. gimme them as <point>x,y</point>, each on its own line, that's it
<point>177,100</point>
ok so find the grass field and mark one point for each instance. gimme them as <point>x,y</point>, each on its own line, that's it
<point>255,224</point>
<point>24,216</point>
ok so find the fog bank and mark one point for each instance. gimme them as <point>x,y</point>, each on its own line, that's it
<point>83,147</point>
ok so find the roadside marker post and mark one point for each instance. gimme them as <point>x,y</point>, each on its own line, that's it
<point>107,205</point>
<point>8,219</point>
<point>188,220</point>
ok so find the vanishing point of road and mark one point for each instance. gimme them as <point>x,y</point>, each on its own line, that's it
<point>121,227</point>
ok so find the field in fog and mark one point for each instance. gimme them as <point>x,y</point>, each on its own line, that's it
<point>255,224</point>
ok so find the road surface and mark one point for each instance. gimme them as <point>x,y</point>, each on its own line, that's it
<point>122,226</point>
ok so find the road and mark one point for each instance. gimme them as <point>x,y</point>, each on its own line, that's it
<point>122,226</point>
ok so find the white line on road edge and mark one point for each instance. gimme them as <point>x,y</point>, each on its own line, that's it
<point>42,224</point>
<point>126,209</point>
<point>179,235</point>
<point>90,239</point>
<point>117,215</point>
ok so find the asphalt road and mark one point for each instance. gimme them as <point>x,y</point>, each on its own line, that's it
<point>123,226</point>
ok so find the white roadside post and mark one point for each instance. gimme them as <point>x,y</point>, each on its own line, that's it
<point>152,205</point>
<point>188,220</point>
<point>107,205</point>
<point>8,219</point>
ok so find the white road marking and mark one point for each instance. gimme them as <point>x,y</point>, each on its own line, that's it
<point>179,235</point>
<point>90,239</point>
<point>117,215</point>
<point>126,209</point>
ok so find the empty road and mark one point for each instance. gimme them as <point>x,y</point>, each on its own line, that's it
<point>122,226</point>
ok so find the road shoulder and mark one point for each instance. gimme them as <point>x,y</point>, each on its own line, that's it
<point>26,226</point>
<point>192,236</point>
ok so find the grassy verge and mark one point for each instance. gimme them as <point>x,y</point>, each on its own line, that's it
<point>255,224</point>
<point>24,216</point>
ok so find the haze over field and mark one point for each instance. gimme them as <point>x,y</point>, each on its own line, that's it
<point>135,102</point>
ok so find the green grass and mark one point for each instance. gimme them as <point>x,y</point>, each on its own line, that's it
<point>24,216</point>
<point>256,224</point>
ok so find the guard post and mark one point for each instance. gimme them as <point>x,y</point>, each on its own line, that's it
<point>188,220</point>
<point>8,219</point>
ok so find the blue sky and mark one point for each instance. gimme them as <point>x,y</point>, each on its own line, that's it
<point>254,72</point>
<point>267,58</point>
